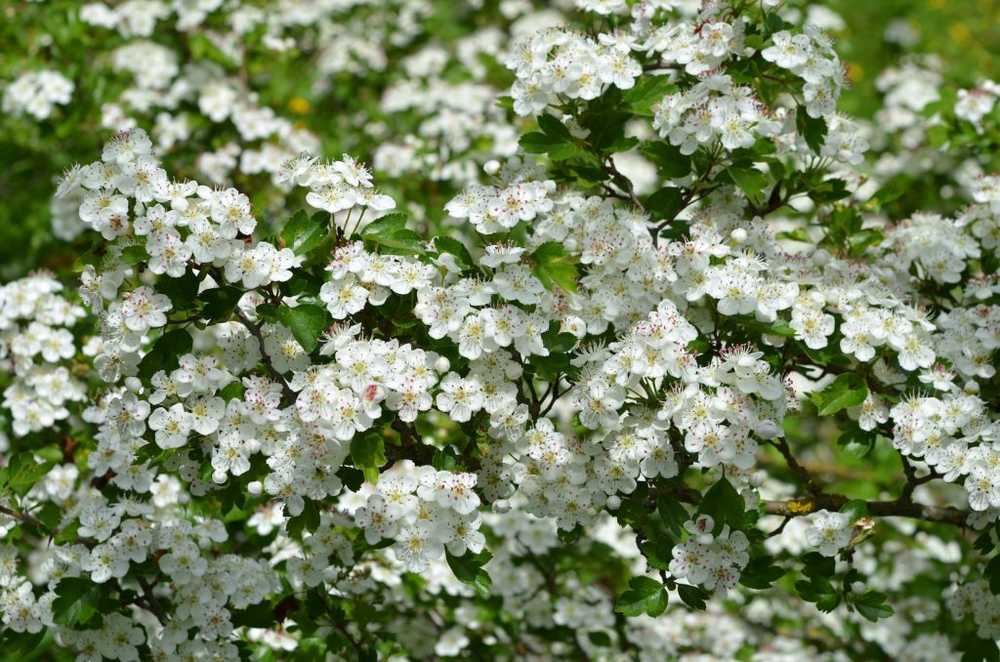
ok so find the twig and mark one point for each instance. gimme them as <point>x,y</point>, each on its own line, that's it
<point>287,392</point>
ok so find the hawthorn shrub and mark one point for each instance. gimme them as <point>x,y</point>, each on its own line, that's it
<point>638,350</point>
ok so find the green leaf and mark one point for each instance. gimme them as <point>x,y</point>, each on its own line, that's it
<point>133,255</point>
<point>861,240</point>
<point>605,118</point>
<point>872,606</point>
<point>468,568</point>
<point>847,390</point>
<point>665,203</point>
<point>669,161</point>
<point>993,574</point>
<point>761,573</point>
<point>817,565</point>
<point>812,129</point>
<point>219,302</point>
<point>673,514</point>
<point>751,181</point>
<point>260,615</point>
<point>182,291</point>
<point>303,233</point>
<point>693,596</point>
<point>23,472</point>
<point>829,190</point>
<point>558,149</point>
<point>306,322</point>
<point>554,267</point>
<point>307,520</point>
<point>76,603</point>
<point>724,504</point>
<point>599,638</point>
<point>16,644</point>
<point>622,145</point>
<point>165,352</point>
<point>390,232</point>
<point>648,91</point>
<point>553,127</point>
<point>975,649</point>
<point>456,248</point>
<point>368,454</point>
<point>643,596</point>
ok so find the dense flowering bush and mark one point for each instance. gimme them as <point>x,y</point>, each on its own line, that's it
<point>630,346</point>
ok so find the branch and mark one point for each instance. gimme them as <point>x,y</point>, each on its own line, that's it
<point>895,508</point>
<point>287,392</point>
<point>800,471</point>
<point>24,518</point>
<point>811,504</point>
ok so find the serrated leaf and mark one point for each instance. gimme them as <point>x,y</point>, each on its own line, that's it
<point>76,601</point>
<point>993,574</point>
<point>456,248</point>
<point>306,322</point>
<point>165,352</point>
<point>20,643</point>
<point>751,181</point>
<point>872,605</point>
<point>665,203</point>
<point>761,573</point>
<point>553,127</point>
<point>133,255</point>
<point>368,454</point>
<point>668,159</point>
<point>976,649</point>
<point>302,232</point>
<point>23,472</point>
<point>468,568</point>
<point>558,148</point>
<point>812,129</point>
<point>673,514</point>
<point>724,504</point>
<point>648,90</point>
<point>260,615</point>
<point>390,232</point>
<point>847,390</point>
<point>554,267</point>
<point>219,302</point>
<point>643,596</point>
<point>693,596</point>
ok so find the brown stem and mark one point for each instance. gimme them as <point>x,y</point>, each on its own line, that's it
<point>287,392</point>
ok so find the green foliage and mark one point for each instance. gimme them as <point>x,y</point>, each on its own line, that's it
<point>306,322</point>
<point>644,596</point>
<point>847,390</point>
<point>554,267</point>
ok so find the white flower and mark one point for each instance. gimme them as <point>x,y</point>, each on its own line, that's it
<point>829,532</point>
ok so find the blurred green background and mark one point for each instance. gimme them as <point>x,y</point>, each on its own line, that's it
<point>965,34</point>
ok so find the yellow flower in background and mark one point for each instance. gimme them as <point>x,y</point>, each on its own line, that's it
<point>959,32</point>
<point>299,105</point>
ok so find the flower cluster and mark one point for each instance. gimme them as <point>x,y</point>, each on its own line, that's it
<point>37,93</point>
<point>504,396</point>
<point>556,63</point>
<point>811,57</point>
<point>36,343</point>
<point>423,510</point>
<point>713,561</point>
<point>713,111</point>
